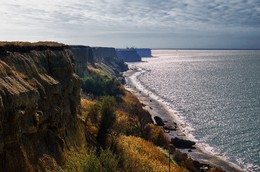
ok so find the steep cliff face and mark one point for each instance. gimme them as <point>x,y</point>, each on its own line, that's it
<point>128,55</point>
<point>144,52</point>
<point>39,102</point>
<point>104,57</point>
<point>101,53</point>
<point>83,56</point>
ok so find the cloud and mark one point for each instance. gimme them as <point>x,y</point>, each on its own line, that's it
<point>100,17</point>
<point>166,13</point>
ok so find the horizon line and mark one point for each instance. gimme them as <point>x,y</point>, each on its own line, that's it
<point>205,49</point>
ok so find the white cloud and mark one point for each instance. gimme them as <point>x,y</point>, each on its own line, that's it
<point>104,17</point>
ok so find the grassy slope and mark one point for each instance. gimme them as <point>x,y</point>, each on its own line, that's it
<point>133,152</point>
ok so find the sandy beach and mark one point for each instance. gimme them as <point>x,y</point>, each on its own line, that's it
<point>177,128</point>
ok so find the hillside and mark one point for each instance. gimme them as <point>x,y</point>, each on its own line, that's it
<point>53,120</point>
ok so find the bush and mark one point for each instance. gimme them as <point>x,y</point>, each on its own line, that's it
<point>108,118</point>
<point>156,135</point>
<point>75,161</point>
<point>183,160</point>
<point>127,124</point>
<point>93,164</point>
<point>101,86</point>
<point>93,113</point>
<point>108,160</point>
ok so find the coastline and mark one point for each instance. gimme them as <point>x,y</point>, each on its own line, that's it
<point>157,108</point>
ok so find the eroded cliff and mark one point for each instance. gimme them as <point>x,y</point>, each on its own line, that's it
<point>39,102</point>
<point>129,55</point>
<point>104,58</point>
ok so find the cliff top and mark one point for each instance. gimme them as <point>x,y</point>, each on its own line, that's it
<point>28,46</point>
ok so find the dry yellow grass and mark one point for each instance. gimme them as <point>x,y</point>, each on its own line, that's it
<point>86,104</point>
<point>98,71</point>
<point>140,155</point>
<point>75,160</point>
<point>129,98</point>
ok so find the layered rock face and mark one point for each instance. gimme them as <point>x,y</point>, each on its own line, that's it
<point>83,55</point>
<point>109,57</point>
<point>39,102</point>
<point>97,55</point>
<point>102,53</point>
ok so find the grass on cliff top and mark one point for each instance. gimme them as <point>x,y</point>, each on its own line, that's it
<point>31,44</point>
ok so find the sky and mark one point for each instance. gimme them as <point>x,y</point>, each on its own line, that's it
<point>229,24</point>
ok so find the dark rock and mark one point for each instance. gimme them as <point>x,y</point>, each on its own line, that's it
<point>169,127</point>
<point>182,144</point>
<point>201,166</point>
<point>159,121</point>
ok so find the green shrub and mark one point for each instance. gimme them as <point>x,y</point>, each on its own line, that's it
<point>108,160</point>
<point>93,164</point>
<point>101,86</point>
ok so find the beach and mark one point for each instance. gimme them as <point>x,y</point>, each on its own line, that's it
<point>173,125</point>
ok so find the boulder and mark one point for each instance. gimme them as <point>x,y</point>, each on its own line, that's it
<point>159,121</point>
<point>182,144</point>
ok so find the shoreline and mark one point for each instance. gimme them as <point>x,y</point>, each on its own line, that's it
<point>157,108</point>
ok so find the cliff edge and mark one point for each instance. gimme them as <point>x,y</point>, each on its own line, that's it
<point>39,102</point>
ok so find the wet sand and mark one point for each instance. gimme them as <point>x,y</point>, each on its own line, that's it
<point>157,107</point>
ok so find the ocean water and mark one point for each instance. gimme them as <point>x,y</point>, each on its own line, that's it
<point>217,93</point>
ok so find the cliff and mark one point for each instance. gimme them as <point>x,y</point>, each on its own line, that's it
<point>102,53</point>
<point>144,52</point>
<point>45,127</point>
<point>128,55</point>
<point>83,56</point>
<point>104,58</point>
<point>39,102</point>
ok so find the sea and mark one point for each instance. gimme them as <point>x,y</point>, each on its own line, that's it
<point>216,93</point>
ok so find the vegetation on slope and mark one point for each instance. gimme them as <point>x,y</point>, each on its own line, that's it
<point>100,86</point>
<point>138,154</point>
<point>115,119</point>
<point>120,133</point>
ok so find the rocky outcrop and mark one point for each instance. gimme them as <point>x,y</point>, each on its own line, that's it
<point>159,121</point>
<point>39,103</point>
<point>129,55</point>
<point>182,144</point>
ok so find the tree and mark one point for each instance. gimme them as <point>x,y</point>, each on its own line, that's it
<point>108,118</point>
